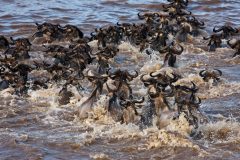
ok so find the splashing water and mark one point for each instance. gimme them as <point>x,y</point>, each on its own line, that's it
<point>39,128</point>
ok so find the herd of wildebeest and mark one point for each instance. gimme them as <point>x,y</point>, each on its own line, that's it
<point>70,64</point>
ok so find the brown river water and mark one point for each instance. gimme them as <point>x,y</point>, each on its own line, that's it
<point>37,127</point>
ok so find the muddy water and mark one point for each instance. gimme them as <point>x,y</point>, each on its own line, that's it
<point>38,128</point>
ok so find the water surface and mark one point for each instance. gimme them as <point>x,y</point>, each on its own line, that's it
<point>38,128</point>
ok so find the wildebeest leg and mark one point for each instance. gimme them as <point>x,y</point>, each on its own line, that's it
<point>171,60</point>
<point>195,32</point>
<point>147,116</point>
<point>179,107</point>
<point>195,119</point>
<point>115,109</point>
<point>22,91</point>
<point>212,46</point>
<point>93,95</point>
<point>167,104</point>
<point>86,106</point>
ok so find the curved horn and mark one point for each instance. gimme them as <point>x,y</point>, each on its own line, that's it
<point>207,38</point>
<point>114,74</point>
<point>118,24</point>
<point>156,14</point>
<point>201,23</point>
<point>140,16</point>
<point>157,75</point>
<point>92,34</point>
<point>139,101</point>
<point>14,67</point>
<point>64,27</point>
<point>175,78</point>
<point>194,87</point>
<point>142,79</point>
<point>124,103</point>
<point>146,81</point>
<point>193,99</point>
<point>217,30</point>
<point>38,34</point>
<point>199,100</point>
<point>219,71</point>
<point>90,76</point>
<point>191,18</point>
<point>235,30</point>
<point>189,13</point>
<point>232,45</point>
<point>201,73</point>
<point>134,75</point>
<point>99,52</point>
<point>108,54</point>
<point>178,52</point>
<point>169,93</point>
<point>104,76</point>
